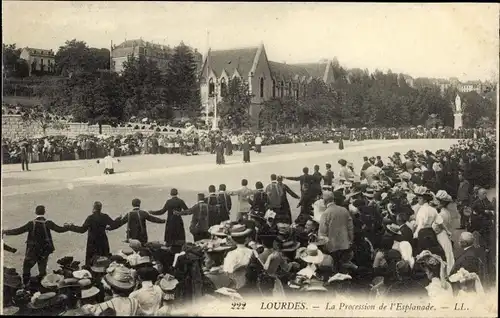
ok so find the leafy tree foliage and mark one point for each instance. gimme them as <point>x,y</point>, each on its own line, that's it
<point>477,110</point>
<point>184,90</point>
<point>75,56</point>
<point>235,105</point>
<point>13,65</point>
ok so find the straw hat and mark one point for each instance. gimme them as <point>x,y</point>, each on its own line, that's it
<point>82,274</point>
<point>134,244</point>
<point>239,230</point>
<point>270,214</point>
<point>46,300</point>
<point>88,290</point>
<point>228,292</point>
<point>312,254</point>
<point>216,246</point>
<point>168,283</point>
<point>289,246</point>
<point>217,230</point>
<point>100,264</point>
<point>120,278</point>
<point>393,228</point>
<point>126,252</point>
<point>51,280</point>
<point>339,277</point>
<point>442,195</point>
<point>68,283</point>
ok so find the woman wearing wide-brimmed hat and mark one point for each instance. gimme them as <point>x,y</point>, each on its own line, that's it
<point>442,226</point>
<point>435,268</point>
<point>121,282</point>
<point>425,216</point>
<point>236,260</point>
<point>49,304</point>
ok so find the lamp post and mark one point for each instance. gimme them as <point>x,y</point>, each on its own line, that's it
<point>216,93</point>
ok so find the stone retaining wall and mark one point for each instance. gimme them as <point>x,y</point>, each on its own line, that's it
<point>14,128</point>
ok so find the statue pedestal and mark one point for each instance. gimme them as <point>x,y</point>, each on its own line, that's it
<point>458,121</point>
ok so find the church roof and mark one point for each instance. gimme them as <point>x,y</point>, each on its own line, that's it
<point>229,60</point>
<point>288,71</point>
<point>315,70</point>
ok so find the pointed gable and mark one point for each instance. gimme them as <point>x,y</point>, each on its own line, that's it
<point>241,60</point>
<point>317,70</point>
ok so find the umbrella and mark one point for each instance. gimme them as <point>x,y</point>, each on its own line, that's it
<point>144,120</point>
<point>364,128</point>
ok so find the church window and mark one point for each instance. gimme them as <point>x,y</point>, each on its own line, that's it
<point>223,87</point>
<point>211,87</point>
<point>274,88</point>
<point>282,88</point>
<point>261,87</point>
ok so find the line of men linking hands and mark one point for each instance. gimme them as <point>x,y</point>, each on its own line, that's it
<point>209,211</point>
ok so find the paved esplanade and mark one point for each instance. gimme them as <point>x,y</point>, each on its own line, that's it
<point>68,188</point>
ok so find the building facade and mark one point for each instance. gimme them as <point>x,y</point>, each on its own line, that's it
<point>161,54</point>
<point>39,60</point>
<point>471,86</point>
<point>266,79</point>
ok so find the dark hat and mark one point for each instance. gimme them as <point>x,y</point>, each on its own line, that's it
<point>342,162</point>
<point>201,196</point>
<point>174,192</point>
<point>40,210</point>
<point>11,278</point>
<point>65,261</point>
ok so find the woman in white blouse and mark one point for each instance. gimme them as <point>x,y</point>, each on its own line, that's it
<point>442,227</point>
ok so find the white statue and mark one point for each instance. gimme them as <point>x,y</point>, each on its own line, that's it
<point>458,105</point>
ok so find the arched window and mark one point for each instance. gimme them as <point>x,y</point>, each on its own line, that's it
<point>282,88</point>
<point>274,88</point>
<point>261,87</point>
<point>211,87</point>
<point>304,91</point>
<point>297,93</point>
<point>223,87</point>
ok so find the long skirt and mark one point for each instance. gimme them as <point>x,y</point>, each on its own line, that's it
<point>174,230</point>
<point>445,242</point>
<point>229,150</point>
<point>341,144</point>
<point>219,158</point>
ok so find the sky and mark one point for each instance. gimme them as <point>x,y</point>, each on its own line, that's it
<point>422,40</point>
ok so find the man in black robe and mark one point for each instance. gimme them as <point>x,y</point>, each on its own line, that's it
<point>97,239</point>
<point>213,203</point>
<point>136,222</point>
<point>174,228</point>
<point>219,152</point>
<point>39,244</point>
<point>246,151</point>
<point>225,203</point>
<point>259,201</point>
<point>203,218</point>
<point>285,211</point>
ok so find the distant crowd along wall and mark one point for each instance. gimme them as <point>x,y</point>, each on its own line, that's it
<point>13,127</point>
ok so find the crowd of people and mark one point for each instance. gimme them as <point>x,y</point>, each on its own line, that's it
<point>58,148</point>
<point>383,231</point>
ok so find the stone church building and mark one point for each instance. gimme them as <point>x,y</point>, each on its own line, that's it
<point>266,79</point>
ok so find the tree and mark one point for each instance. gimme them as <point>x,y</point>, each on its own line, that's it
<point>475,107</point>
<point>75,56</point>
<point>97,98</point>
<point>278,113</point>
<point>144,90</point>
<point>13,65</point>
<point>39,116</point>
<point>184,89</point>
<point>235,105</point>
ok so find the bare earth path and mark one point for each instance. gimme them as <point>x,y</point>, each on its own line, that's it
<point>68,189</point>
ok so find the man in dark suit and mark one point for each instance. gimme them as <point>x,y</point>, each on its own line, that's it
<point>316,181</point>
<point>174,228</point>
<point>463,198</point>
<point>136,222</point>
<point>406,229</point>
<point>328,177</point>
<point>213,202</point>
<point>470,259</point>
<point>259,201</point>
<point>39,244</point>
<point>305,178</point>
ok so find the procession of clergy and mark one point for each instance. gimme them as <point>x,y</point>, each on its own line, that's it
<point>385,231</point>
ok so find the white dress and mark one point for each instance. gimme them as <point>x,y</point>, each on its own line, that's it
<point>436,291</point>
<point>443,237</point>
